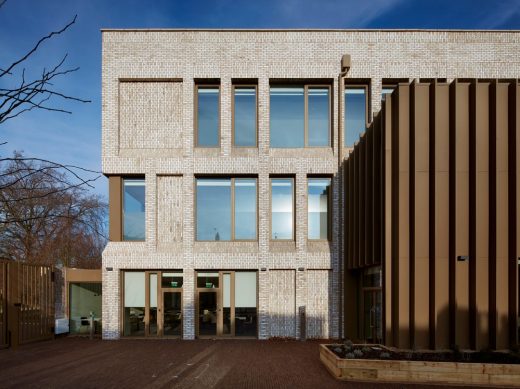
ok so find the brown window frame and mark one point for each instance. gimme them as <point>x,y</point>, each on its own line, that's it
<point>206,85</point>
<point>306,87</point>
<point>232,178</point>
<point>122,199</point>
<point>329,208</point>
<point>293,181</point>
<point>233,88</point>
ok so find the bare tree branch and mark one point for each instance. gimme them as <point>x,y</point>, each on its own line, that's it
<point>33,50</point>
<point>36,94</point>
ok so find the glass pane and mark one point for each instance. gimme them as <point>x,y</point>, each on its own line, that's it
<point>245,208</point>
<point>133,209</point>
<point>213,209</point>
<point>207,280</point>
<point>226,309</point>
<point>172,314</point>
<point>245,117</point>
<point>287,111</point>
<point>84,298</point>
<point>245,304</point>
<point>134,303</point>
<point>281,208</point>
<point>318,106</point>
<point>153,304</point>
<point>386,90</point>
<point>355,114</point>
<point>207,117</point>
<point>318,205</point>
<point>171,280</point>
<point>208,313</point>
<point>372,277</point>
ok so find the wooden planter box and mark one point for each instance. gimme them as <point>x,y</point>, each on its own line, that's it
<point>420,371</point>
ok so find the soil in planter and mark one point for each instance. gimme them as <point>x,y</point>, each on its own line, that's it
<point>383,353</point>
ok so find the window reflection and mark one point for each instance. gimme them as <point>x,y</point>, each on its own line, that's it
<point>245,208</point>
<point>386,91</point>
<point>207,116</point>
<point>318,111</point>
<point>355,114</point>
<point>133,209</point>
<point>287,117</point>
<point>245,117</point>
<point>213,209</point>
<point>282,208</point>
<point>318,205</point>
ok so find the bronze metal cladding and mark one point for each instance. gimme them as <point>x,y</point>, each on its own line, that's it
<point>432,191</point>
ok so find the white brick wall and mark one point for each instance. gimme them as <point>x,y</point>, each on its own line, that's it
<point>159,146</point>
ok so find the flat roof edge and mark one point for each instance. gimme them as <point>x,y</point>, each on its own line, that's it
<point>297,30</point>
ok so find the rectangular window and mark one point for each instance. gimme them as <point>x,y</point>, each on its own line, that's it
<point>355,113</point>
<point>208,117</point>
<point>282,209</point>
<point>318,208</point>
<point>226,209</point>
<point>133,209</point>
<point>299,116</point>
<point>319,117</point>
<point>244,116</point>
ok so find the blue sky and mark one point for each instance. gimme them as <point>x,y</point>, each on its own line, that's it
<point>76,139</point>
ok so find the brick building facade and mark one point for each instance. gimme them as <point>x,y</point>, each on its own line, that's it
<point>149,84</point>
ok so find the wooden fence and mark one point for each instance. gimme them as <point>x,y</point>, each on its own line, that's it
<point>26,303</point>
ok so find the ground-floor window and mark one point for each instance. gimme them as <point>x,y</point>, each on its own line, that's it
<point>84,302</point>
<point>152,303</point>
<point>227,303</point>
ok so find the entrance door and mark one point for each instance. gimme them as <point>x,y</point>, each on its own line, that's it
<point>372,320</point>
<point>208,313</point>
<point>171,314</point>
<point>152,303</point>
<point>227,303</point>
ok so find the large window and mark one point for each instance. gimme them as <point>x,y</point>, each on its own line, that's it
<point>299,116</point>
<point>226,209</point>
<point>208,119</point>
<point>244,116</point>
<point>282,208</point>
<point>133,209</point>
<point>355,113</point>
<point>318,208</point>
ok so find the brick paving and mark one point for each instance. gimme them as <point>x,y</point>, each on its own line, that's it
<point>81,363</point>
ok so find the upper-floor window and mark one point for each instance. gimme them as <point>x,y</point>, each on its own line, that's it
<point>355,113</point>
<point>386,90</point>
<point>299,116</point>
<point>133,209</point>
<point>244,116</point>
<point>282,209</point>
<point>226,209</point>
<point>318,208</point>
<point>207,116</point>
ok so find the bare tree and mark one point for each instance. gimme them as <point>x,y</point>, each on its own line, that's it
<point>45,217</point>
<point>23,95</point>
<point>46,213</point>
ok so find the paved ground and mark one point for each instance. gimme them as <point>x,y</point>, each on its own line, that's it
<point>81,363</point>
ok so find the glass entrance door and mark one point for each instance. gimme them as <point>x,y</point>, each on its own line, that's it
<point>172,314</point>
<point>208,313</point>
<point>372,320</point>
<point>227,303</point>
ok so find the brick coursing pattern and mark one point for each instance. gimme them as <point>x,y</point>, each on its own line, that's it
<point>163,145</point>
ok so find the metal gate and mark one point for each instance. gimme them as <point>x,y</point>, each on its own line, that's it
<point>26,303</point>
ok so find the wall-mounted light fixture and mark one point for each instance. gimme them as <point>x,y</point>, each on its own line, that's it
<point>109,268</point>
<point>462,258</point>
